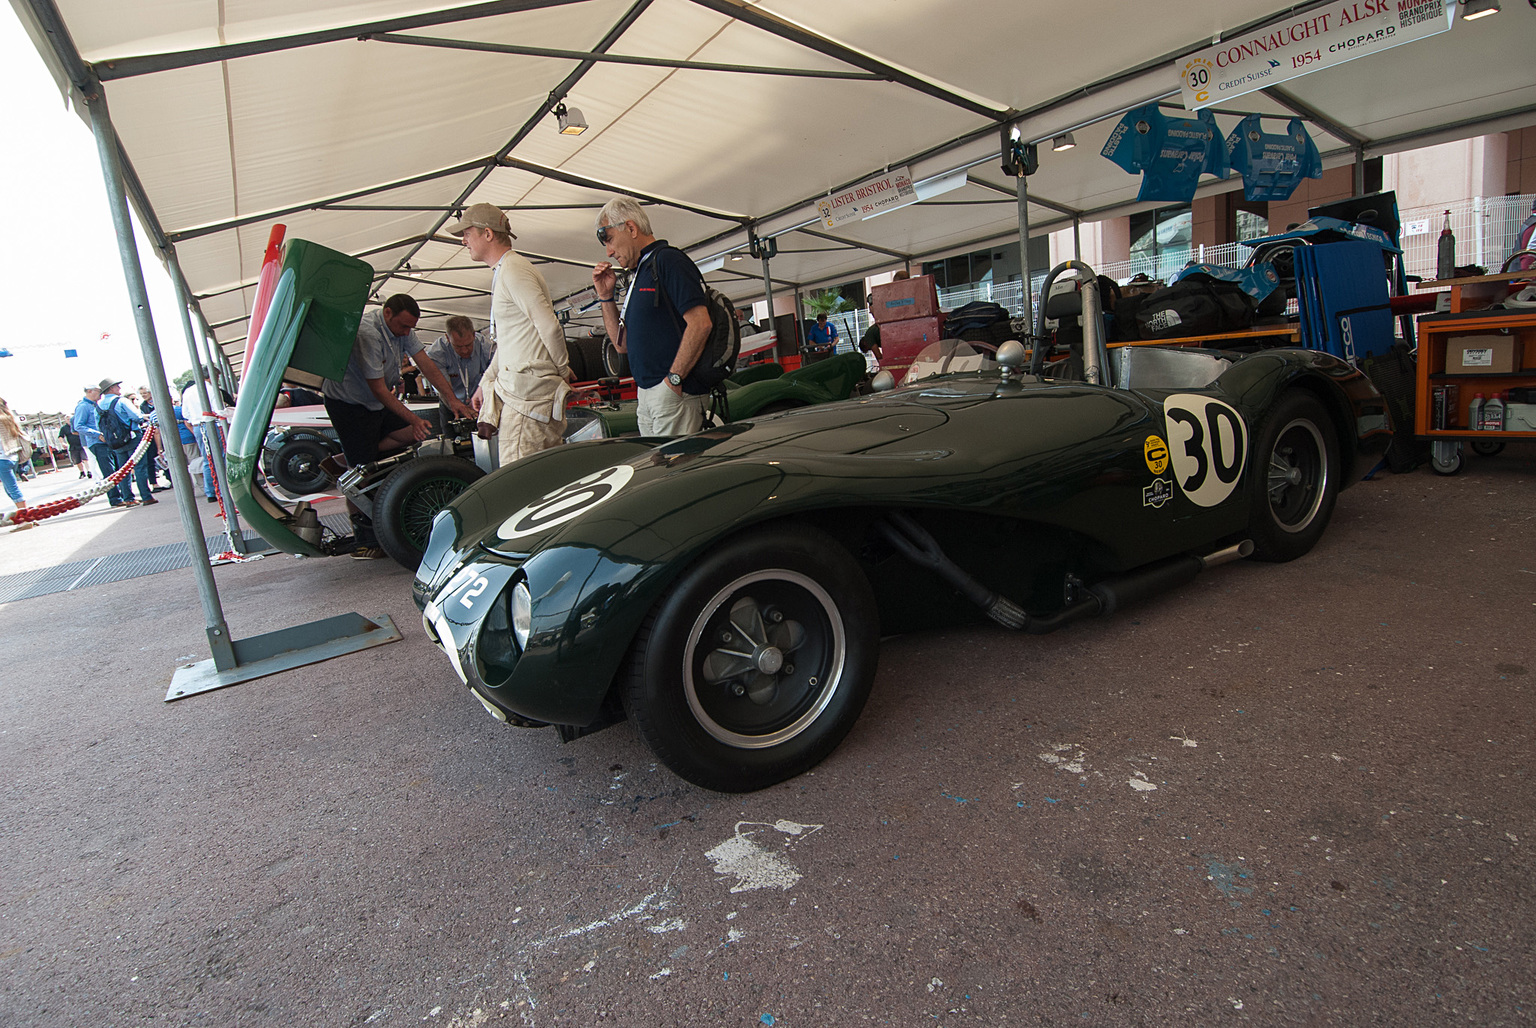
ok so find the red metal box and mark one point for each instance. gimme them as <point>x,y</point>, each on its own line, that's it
<point>908,298</point>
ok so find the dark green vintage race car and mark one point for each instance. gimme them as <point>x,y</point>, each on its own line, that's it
<point>727,591</point>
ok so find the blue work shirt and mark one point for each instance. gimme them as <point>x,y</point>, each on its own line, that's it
<point>185,433</point>
<point>652,328</point>
<point>376,354</point>
<point>463,373</point>
<point>822,337</point>
<point>85,423</point>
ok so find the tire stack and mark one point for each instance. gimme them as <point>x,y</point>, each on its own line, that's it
<point>586,357</point>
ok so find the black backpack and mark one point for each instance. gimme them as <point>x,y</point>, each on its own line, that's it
<point>1195,305</point>
<point>115,430</point>
<point>717,361</point>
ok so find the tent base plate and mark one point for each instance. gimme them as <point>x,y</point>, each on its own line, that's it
<point>284,650</point>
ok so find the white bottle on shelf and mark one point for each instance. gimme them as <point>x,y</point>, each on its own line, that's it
<point>1493,414</point>
<point>1475,413</point>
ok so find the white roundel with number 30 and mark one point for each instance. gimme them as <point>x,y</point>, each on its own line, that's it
<point>1208,444</point>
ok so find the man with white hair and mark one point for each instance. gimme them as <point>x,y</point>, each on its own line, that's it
<point>525,387</point>
<point>665,320</point>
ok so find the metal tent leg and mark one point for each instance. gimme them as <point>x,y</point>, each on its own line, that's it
<point>233,660</point>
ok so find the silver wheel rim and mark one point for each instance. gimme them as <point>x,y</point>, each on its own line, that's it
<point>766,656</point>
<point>1297,475</point>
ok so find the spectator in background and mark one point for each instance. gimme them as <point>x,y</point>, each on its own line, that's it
<point>76,449</point>
<point>190,413</point>
<point>820,340</point>
<point>14,449</point>
<point>86,423</point>
<point>152,455</point>
<point>744,322</point>
<point>112,404</point>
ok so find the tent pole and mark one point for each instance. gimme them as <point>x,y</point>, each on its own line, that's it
<point>768,287</point>
<point>1359,171</point>
<point>1029,301</point>
<point>209,422</point>
<point>133,273</point>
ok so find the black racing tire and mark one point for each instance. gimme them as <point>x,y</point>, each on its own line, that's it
<point>296,466</point>
<point>1294,483</point>
<point>411,497</point>
<point>732,720</point>
<point>614,362</point>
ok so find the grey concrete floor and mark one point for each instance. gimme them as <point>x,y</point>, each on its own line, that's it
<point>1296,794</point>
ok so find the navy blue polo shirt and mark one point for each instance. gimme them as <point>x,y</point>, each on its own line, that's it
<point>653,326</point>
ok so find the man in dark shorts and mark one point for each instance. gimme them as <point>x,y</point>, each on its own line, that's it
<point>370,420</point>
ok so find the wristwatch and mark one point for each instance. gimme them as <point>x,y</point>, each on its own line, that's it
<point>674,379</point>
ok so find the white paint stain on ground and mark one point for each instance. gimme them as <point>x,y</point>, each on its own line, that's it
<point>753,866</point>
<point>1140,784</point>
<point>1065,756</point>
<point>674,924</point>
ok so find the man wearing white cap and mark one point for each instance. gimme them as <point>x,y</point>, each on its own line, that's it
<point>524,390</point>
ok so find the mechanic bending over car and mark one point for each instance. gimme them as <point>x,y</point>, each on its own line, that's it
<point>462,355</point>
<point>369,419</point>
<point>663,342</point>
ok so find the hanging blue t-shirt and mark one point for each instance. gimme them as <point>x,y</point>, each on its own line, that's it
<point>1171,153</point>
<point>1272,165</point>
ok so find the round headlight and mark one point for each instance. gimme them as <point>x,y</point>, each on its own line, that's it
<point>522,614</point>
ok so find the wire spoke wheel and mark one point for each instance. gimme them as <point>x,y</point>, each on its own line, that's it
<point>411,497</point>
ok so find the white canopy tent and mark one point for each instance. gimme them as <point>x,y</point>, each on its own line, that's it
<point>366,125</point>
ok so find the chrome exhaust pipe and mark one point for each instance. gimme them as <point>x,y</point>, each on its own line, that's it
<point>1236,551</point>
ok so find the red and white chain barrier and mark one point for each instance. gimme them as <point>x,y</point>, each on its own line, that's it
<point>53,508</point>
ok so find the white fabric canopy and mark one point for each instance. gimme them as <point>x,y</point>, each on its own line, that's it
<point>237,114</point>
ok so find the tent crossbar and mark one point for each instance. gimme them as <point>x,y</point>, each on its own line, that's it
<point>604,58</point>
<point>610,38</point>
<point>149,64</point>
<point>591,183</point>
<point>747,13</point>
<point>482,164</point>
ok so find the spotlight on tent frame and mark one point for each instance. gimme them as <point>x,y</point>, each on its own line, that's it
<point>1063,142</point>
<point>1471,10</point>
<point>570,119</point>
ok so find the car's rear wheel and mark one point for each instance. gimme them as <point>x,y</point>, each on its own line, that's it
<point>1294,484</point>
<point>411,497</point>
<point>296,466</point>
<point>756,663</point>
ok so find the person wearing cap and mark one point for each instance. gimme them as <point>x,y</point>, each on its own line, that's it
<point>663,341</point>
<point>526,384</point>
<point>370,420</point>
<point>112,400</point>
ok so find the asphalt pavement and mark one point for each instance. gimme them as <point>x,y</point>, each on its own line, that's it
<point>1291,794</point>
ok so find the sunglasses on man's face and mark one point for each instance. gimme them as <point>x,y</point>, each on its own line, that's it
<point>603,232</point>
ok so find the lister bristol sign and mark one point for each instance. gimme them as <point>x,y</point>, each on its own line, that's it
<point>1303,43</point>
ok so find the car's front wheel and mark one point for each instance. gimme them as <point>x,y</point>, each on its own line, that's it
<point>411,497</point>
<point>755,665</point>
<point>1295,481</point>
